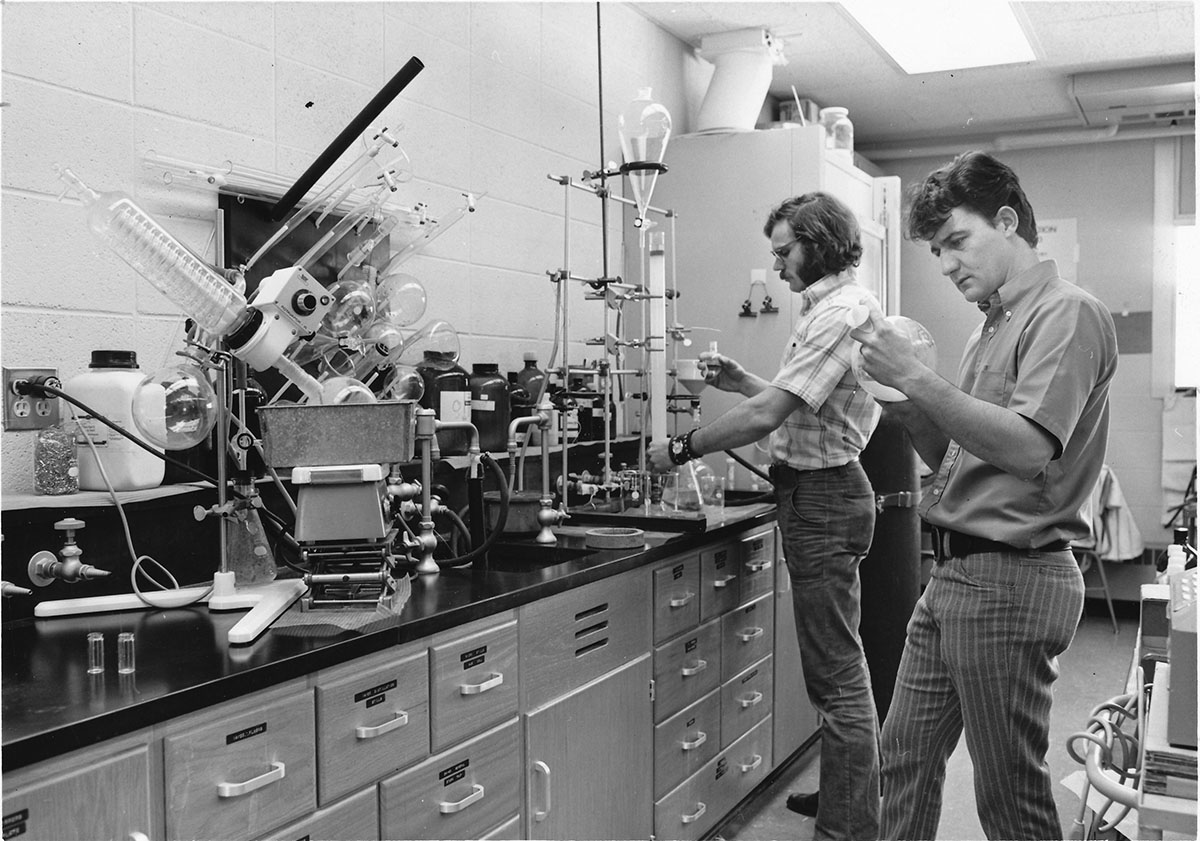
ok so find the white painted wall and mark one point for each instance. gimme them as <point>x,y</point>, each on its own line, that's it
<point>509,95</point>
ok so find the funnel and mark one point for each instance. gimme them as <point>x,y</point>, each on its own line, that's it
<point>644,127</point>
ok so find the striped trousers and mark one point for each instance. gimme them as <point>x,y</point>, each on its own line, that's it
<point>980,658</point>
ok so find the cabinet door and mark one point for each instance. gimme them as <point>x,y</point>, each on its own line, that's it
<point>795,717</point>
<point>100,798</point>
<point>589,760</point>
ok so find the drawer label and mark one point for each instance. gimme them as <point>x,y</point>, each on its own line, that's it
<point>14,823</point>
<point>691,645</point>
<point>757,545</point>
<point>376,701</point>
<point>454,773</point>
<point>256,730</point>
<point>722,767</point>
<point>369,694</point>
<point>474,657</point>
<point>719,558</point>
<point>750,676</point>
<point>677,572</point>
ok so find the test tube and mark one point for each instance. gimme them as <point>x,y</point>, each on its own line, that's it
<point>125,661</point>
<point>95,643</point>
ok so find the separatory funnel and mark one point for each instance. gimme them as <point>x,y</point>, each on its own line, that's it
<point>644,127</point>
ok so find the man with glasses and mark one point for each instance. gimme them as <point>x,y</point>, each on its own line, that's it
<point>818,420</point>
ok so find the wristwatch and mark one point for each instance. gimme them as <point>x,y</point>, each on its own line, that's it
<point>680,448</point>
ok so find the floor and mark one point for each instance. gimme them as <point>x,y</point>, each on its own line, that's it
<point>1091,671</point>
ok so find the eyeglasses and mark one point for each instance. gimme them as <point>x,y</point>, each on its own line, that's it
<point>781,253</point>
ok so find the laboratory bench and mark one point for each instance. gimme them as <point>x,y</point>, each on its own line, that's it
<point>661,662</point>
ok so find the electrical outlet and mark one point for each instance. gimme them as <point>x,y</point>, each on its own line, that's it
<point>26,411</point>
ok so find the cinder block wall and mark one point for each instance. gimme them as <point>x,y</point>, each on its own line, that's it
<point>509,95</point>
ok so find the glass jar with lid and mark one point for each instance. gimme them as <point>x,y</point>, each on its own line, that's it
<point>839,131</point>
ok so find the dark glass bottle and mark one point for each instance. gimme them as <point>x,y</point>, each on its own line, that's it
<point>489,406</point>
<point>531,378</point>
<point>448,393</point>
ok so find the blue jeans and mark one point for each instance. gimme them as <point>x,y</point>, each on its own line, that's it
<point>827,518</point>
<point>981,656</point>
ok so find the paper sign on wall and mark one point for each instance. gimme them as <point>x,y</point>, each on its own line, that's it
<point>1057,241</point>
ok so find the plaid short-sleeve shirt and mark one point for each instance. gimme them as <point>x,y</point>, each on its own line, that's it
<point>837,417</point>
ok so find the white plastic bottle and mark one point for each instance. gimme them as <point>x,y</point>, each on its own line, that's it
<point>1176,562</point>
<point>107,387</point>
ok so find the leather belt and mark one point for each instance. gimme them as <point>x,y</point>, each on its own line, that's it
<point>948,543</point>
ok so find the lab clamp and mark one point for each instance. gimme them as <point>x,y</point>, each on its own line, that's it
<point>645,129</point>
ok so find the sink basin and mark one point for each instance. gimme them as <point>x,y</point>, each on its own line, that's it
<point>523,557</point>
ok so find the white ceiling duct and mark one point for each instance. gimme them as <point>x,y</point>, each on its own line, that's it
<point>1143,95</point>
<point>743,61</point>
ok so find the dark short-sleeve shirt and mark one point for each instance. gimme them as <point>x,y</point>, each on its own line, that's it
<point>1046,350</point>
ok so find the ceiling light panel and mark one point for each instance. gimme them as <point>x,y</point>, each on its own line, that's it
<point>929,36</point>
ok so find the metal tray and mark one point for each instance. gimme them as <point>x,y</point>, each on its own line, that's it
<point>349,433</point>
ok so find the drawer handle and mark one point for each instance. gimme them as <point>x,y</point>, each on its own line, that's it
<point>238,789</point>
<point>758,566</point>
<point>696,815</point>
<point>400,720</point>
<point>692,744</point>
<point>750,634</point>
<point>682,600</point>
<point>746,769</point>
<point>542,768</point>
<point>723,582</point>
<point>700,666</point>
<point>475,688</point>
<point>138,836</point>
<point>476,794</point>
<point>751,701</point>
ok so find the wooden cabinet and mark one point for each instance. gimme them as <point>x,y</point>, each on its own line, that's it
<point>676,597</point>
<point>241,768</point>
<point>462,792</point>
<point>747,635</point>
<point>105,792</point>
<point>719,585</point>
<point>372,719</point>
<point>354,819</point>
<point>473,682</point>
<point>589,770</point>
<point>686,668</point>
<point>685,741</point>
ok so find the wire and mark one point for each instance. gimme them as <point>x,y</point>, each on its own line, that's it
<point>137,559</point>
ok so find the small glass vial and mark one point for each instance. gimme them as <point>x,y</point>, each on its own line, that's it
<point>126,663</point>
<point>95,643</point>
<point>55,463</point>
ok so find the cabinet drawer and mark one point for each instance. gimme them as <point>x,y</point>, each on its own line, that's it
<point>473,684</point>
<point>676,597</point>
<point>93,795</point>
<point>747,635</point>
<point>750,760</point>
<point>685,741</point>
<point>694,807</point>
<point>372,719</point>
<point>510,829</point>
<point>354,819</point>
<point>686,669</point>
<point>746,700</point>
<point>251,767</point>
<point>459,793</point>
<point>719,584</point>
<point>579,635</point>
<point>756,555</point>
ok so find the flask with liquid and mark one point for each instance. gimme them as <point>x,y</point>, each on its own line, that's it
<point>489,406</point>
<point>108,387</point>
<point>448,393</point>
<point>55,463</point>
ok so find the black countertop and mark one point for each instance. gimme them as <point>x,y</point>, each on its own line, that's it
<point>185,663</point>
